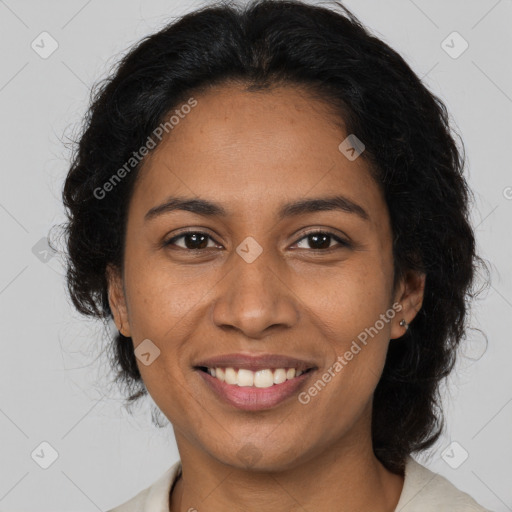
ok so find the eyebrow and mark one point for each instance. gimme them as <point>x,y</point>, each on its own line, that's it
<point>295,208</point>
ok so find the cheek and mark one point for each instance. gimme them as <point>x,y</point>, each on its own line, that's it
<point>161,296</point>
<point>353,313</point>
<point>347,383</point>
<point>350,298</point>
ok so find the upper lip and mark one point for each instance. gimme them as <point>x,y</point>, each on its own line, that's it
<point>255,362</point>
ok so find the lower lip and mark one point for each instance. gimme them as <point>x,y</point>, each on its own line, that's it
<point>252,398</point>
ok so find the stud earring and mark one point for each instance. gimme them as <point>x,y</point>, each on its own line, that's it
<point>403,323</point>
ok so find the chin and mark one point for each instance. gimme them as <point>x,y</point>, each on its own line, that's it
<point>261,457</point>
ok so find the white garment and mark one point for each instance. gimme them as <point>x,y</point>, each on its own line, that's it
<point>423,491</point>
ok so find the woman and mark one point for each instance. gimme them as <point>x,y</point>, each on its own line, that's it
<point>271,207</point>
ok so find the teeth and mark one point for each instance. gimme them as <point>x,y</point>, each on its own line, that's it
<point>279,376</point>
<point>245,378</point>
<point>219,373</point>
<point>262,378</point>
<point>230,376</point>
<point>259,379</point>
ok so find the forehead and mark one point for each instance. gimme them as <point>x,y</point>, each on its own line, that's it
<point>256,150</point>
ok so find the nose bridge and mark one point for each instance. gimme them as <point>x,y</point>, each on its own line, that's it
<point>253,296</point>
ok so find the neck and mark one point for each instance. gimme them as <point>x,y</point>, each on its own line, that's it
<point>346,477</point>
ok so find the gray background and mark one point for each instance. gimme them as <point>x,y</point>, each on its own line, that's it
<point>54,380</point>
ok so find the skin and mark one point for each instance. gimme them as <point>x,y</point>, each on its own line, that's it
<point>252,152</point>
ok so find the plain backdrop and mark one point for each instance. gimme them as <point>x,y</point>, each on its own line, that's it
<point>57,407</point>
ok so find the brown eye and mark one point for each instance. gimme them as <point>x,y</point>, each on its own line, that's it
<point>198,240</point>
<point>321,240</point>
<point>193,240</point>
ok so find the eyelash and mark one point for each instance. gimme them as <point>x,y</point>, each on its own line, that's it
<point>342,243</point>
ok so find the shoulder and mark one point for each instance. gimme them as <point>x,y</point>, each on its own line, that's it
<point>154,498</point>
<point>425,491</point>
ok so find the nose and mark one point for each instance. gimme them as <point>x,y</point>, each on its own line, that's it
<point>254,298</point>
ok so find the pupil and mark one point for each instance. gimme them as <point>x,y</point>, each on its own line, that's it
<point>194,244</point>
<point>326,238</point>
<point>199,241</point>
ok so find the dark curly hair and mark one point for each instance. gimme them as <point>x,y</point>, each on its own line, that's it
<point>410,151</point>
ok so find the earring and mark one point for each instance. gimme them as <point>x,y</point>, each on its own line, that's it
<point>403,323</point>
<point>120,331</point>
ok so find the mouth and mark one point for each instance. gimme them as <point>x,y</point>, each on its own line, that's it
<point>254,383</point>
<point>244,377</point>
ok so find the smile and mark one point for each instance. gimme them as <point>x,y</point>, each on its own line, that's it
<point>253,391</point>
<point>264,378</point>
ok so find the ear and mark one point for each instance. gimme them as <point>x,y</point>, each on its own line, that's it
<point>117,300</point>
<point>409,295</point>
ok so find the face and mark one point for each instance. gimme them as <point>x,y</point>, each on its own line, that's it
<point>304,284</point>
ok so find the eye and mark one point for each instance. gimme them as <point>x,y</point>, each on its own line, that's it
<point>322,240</point>
<point>194,240</point>
<point>198,240</point>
